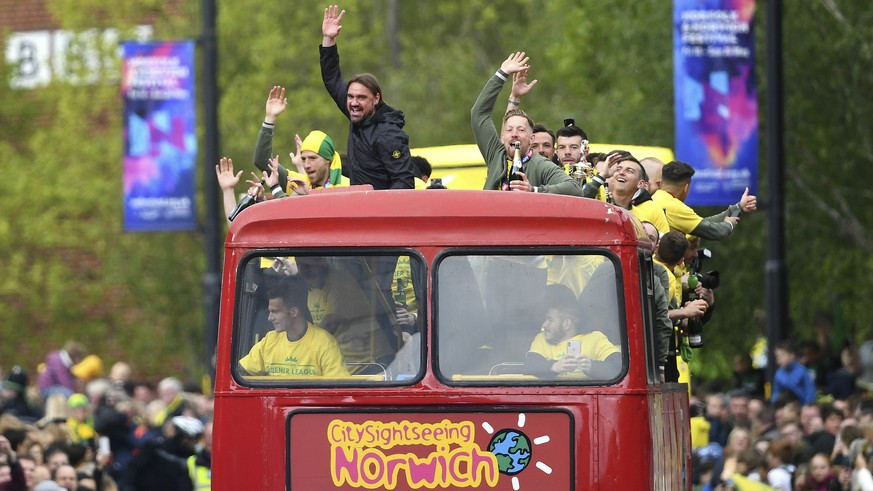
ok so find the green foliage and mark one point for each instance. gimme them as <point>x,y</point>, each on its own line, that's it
<point>71,272</point>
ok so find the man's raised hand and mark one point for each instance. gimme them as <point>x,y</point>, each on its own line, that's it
<point>516,62</point>
<point>276,104</point>
<point>330,26</point>
<point>296,159</point>
<point>224,174</point>
<point>520,87</point>
<point>272,178</point>
<point>606,168</point>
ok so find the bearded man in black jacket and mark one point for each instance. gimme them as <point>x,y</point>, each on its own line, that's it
<point>378,147</point>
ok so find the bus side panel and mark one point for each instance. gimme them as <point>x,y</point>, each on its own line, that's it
<point>622,451</point>
<point>246,426</point>
<point>660,479</point>
<point>677,427</point>
<point>671,438</point>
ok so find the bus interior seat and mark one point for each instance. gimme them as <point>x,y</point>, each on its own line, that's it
<point>369,369</point>
<point>507,368</point>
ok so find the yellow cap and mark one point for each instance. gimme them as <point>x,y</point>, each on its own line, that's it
<point>77,400</point>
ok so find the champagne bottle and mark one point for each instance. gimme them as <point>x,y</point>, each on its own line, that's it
<point>248,200</point>
<point>516,162</point>
<point>400,293</point>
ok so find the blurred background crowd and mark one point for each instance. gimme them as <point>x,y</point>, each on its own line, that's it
<point>73,424</point>
<point>811,429</point>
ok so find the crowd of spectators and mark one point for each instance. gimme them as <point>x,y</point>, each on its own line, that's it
<point>77,428</point>
<point>810,430</point>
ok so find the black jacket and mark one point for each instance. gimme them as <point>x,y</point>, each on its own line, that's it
<point>161,465</point>
<point>378,147</point>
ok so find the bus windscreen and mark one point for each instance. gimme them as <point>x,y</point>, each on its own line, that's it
<point>505,319</point>
<point>328,319</point>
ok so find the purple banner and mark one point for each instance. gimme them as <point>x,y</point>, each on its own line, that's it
<point>716,98</point>
<point>160,139</point>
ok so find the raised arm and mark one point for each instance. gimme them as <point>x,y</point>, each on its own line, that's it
<point>484,132</point>
<point>276,104</point>
<point>331,75</point>
<point>227,181</point>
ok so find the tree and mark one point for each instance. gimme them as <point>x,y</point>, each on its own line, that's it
<point>72,272</point>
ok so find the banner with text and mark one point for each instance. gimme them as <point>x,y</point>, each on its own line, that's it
<point>716,100</point>
<point>160,139</point>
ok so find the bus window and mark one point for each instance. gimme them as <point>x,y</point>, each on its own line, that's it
<point>555,318</point>
<point>304,319</point>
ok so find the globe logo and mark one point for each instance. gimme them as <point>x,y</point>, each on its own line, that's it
<point>512,449</point>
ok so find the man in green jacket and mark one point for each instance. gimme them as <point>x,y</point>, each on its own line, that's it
<point>538,174</point>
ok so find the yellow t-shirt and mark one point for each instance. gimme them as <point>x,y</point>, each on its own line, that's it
<point>572,271</point>
<point>81,431</point>
<point>679,215</point>
<point>675,284</point>
<point>594,345</point>
<point>360,339</point>
<point>699,432</point>
<point>648,211</point>
<point>315,354</point>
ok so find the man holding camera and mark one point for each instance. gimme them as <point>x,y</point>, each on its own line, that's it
<point>671,251</point>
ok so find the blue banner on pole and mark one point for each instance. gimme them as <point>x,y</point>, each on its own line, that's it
<point>716,97</point>
<point>160,140</point>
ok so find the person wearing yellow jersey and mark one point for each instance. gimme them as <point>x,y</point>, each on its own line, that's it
<point>320,160</point>
<point>561,348</point>
<point>569,145</point>
<point>675,185</point>
<point>316,161</point>
<point>573,271</point>
<point>172,394</point>
<point>628,189</point>
<point>403,293</point>
<point>81,422</point>
<point>200,464</point>
<point>339,306</point>
<point>598,187</point>
<point>653,166</point>
<point>295,348</point>
<point>671,251</point>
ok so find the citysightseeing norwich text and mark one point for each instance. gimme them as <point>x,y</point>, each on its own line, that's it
<point>358,455</point>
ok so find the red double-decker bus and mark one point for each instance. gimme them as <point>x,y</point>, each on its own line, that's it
<point>427,319</point>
